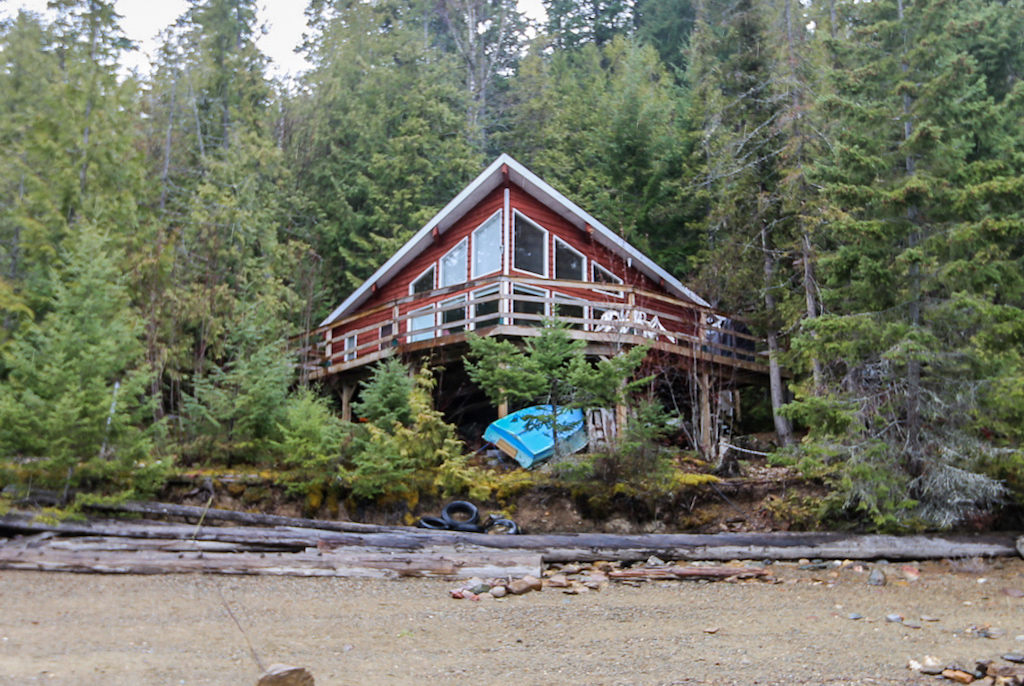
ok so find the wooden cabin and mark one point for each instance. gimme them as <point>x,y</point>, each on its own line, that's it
<point>511,251</point>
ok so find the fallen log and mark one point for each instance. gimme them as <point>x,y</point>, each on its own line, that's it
<point>561,547</point>
<point>309,564</point>
<point>656,573</point>
<point>249,518</point>
<point>724,547</point>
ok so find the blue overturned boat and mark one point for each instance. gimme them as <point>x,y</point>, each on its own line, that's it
<point>528,437</point>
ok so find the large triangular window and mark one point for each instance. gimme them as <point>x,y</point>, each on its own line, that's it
<point>530,253</point>
<point>487,246</point>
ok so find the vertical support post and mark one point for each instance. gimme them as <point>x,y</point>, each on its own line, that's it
<point>704,387</point>
<point>347,391</point>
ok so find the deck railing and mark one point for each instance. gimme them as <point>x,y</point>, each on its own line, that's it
<point>602,314</point>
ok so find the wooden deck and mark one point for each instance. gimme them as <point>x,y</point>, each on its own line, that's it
<point>609,317</point>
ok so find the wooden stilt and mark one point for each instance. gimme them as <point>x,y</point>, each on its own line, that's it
<point>347,391</point>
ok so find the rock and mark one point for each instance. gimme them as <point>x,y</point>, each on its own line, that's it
<point>894,618</point>
<point>711,630</point>
<point>571,569</point>
<point>856,615</point>
<point>929,618</point>
<point>958,675</point>
<point>655,561</point>
<point>479,589</point>
<point>1013,657</point>
<point>914,666</point>
<point>286,675</point>
<point>911,573</point>
<point>876,578</point>
<point>1013,592</point>
<point>525,585</point>
<point>559,581</point>
<point>992,632</point>
<point>912,624</point>
<point>485,596</point>
<point>499,591</point>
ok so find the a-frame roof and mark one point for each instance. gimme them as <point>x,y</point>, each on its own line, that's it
<point>476,191</point>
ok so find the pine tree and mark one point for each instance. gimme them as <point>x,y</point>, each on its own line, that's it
<point>920,161</point>
<point>70,409</point>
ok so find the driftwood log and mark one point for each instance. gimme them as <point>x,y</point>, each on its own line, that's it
<point>47,556</point>
<point>248,518</point>
<point>551,547</point>
<point>688,573</point>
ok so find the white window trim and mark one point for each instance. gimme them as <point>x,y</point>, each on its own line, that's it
<point>381,344</point>
<point>594,266</point>
<point>351,343</point>
<point>439,276</point>
<point>433,282</point>
<point>547,249</point>
<point>501,255</point>
<point>425,334</point>
<point>583,257</point>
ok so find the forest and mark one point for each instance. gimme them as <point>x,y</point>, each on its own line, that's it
<point>846,175</point>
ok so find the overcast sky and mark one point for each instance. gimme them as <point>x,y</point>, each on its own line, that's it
<point>285,20</point>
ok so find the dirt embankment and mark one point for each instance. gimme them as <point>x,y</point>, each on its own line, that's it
<point>80,630</point>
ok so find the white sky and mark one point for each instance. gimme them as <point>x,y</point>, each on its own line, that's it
<point>285,20</point>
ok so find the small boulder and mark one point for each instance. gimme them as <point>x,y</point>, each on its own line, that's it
<point>525,585</point>
<point>876,578</point>
<point>286,675</point>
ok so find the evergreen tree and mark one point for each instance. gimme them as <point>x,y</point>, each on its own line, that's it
<point>924,152</point>
<point>69,411</point>
<point>376,143</point>
<point>740,108</point>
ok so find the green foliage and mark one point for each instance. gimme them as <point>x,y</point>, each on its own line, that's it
<point>70,410</point>
<point>386,398</point>
<point>312,442</point>
<point>550,369</point>
<point>402,460</point>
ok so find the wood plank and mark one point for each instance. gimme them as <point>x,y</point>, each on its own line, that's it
<point>335,564</point>
<point>250,518</point>
<point>688,573</point>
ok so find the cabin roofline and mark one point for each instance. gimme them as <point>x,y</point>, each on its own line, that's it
<point>503,169</point>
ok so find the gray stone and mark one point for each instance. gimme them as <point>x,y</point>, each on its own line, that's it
<point>876,578</point>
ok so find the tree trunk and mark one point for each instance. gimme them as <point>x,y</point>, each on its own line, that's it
<point>783,427</point>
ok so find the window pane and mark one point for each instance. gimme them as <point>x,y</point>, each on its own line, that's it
<point>487,247</point>
<point>602,275</point>
<point>568,262</point>
<point>456,314</point>
<point>529,254</point>
<point>481,310</point>
<point>387,331</point>
<point>424,283</point>
<point>421,325</point>
<point>453,266</point>
<point>563,310</point>
<point>523,307</point>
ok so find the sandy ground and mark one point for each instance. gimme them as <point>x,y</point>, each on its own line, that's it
<point>87,629</point>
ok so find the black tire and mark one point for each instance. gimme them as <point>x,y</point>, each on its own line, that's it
<point>432,523</point>
<point>466,527</point>
<point>460,512</point>
<point>503,526</point>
